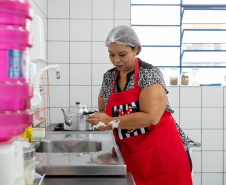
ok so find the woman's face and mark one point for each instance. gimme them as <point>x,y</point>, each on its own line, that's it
<point>122,56</point>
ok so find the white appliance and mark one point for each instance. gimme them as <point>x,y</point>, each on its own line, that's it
<point>37,52</point>
<point>11,163</point>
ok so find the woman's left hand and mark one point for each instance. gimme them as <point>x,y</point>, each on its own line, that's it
<point>99,117</point>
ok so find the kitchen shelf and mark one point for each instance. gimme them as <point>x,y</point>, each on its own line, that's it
<point>40,115</point>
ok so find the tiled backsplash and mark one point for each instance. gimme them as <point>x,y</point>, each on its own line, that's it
<point>76,41</point>
<point>76,32</point>
<point>201,113</point>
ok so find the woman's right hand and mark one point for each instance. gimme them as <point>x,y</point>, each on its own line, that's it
<point>100,117</point>
<point>105,128</point>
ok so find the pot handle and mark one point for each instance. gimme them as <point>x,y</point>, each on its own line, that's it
<point>89,112</point>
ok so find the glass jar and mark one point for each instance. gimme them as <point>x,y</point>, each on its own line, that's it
<point>173,78</point>
<point>29,166</point>
<point>184,78</point>
<point>195,77</point>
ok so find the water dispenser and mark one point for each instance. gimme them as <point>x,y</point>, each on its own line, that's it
<point>15,89</point>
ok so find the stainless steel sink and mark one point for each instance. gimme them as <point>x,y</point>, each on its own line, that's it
<point>48,146</point>
<point>78,153</point>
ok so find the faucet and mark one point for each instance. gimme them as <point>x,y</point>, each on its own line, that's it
<point>36,99</point>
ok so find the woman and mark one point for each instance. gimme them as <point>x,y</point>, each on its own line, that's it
<point>133,103</point>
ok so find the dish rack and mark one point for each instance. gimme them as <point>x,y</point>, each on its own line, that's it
<point>42,113</point>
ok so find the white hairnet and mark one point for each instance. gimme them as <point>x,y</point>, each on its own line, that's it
<point>124,35</point>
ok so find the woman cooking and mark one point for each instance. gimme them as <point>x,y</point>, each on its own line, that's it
<point>133,103</point>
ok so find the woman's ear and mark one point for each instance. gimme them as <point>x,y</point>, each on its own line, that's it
<point>136,50</point>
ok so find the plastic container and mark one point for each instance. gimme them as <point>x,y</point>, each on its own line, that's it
<point>27,134</point>
<point>29,166</point>
<point>15,89</point>
<point>38,134</point>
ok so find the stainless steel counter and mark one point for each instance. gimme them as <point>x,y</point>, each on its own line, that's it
<point>80,157</point>
<point>90,180</point>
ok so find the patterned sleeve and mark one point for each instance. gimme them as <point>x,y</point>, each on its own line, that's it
<point>106,87</point>
<point>101,89</point>
<point>150,77</point>
<point>103,86</point>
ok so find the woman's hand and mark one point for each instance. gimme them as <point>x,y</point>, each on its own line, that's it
<point>100,117</point>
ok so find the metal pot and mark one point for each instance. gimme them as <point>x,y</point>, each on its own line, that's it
<point>75,117</point>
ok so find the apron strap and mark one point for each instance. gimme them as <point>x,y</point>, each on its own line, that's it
<point>135,76</point>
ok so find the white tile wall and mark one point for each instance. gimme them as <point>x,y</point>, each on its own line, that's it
<point>122,9</point>
<point>225,142</point>
<point>224,118</point>
<point>80,30</point>
<point>212,97</point>
<point>122,22</point>
<point>42,4</point>
<point>95,94</point>
<point>80,74</point>
<point>190,118</point>
<point>58,30</point>
<point>196,161</point>
<point>224,178</point>
<point>80,94</point>
<point>101,28</point>
<point>58,8</point>
<point>57,114</point>
<point>190,96</point>
<point>212,161</point>
<point>80,52</point>
<point>212,139</point>
<point>102,9</point>
<point>173,96</point>
<point>80,9</point>
<point>98,71</point>
<point>100,53</point>
<point>59,96</point>
<point>197,179</point>
<point>58,52</point>
<point>224,91</point>
<point>224,161</point>
<point>212,118</point>
<point>212,178</point>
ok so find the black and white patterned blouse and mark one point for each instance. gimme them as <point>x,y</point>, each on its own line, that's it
<point>148,75</point>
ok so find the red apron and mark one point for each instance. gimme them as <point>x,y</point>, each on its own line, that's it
<point>154,155</point>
